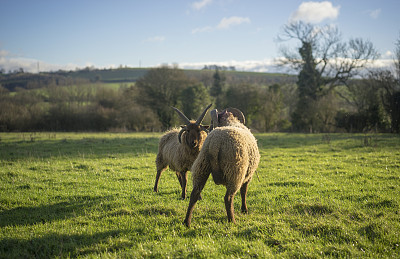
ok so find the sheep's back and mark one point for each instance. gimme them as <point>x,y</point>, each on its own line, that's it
<point>232,154</point>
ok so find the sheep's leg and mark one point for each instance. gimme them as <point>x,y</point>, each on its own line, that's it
<point>161,166</point>
<point>229,196</point>
<point>194,197</point>
<point>183,180</point>
<point>178,175</point>
<point>243,194</point>
<point>159,172</point>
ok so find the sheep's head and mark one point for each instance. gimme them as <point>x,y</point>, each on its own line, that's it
<point>193,129</point>
<point>219,119</point>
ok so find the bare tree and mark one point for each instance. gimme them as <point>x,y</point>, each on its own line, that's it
<point>324,61</point>
<point>335,61</point>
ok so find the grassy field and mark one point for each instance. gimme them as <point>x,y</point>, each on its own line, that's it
<point>91,195</point>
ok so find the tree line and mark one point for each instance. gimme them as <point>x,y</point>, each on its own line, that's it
<point>334,92</point>
<point>362,105</point>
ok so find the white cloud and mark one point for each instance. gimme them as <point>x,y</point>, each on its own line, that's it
<point>201,4</point>
<point>265,65</point>
<point>10,64</point>
<point>270,65</point>
<point>3,53</point>
<point>155,39</point>
<point>381,64</point>
<point>224,24</point>
<point>315,12</point>
<point>374,14</point>
<point>232,21</point>
<point>203,29</point>
<point>388,54</point>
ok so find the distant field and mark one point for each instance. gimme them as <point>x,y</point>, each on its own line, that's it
<point>91,195</point>
<point>128,76</point>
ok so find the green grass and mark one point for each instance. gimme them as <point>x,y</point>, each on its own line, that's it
<point>91,195</point>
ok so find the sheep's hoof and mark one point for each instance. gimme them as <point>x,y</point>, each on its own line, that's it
<point>155,190</point>
<point>245,211</point>
<point>187,224</point>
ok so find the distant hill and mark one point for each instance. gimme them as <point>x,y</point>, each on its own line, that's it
<point>108,75</point>
<point>244,77</point>
<point>121,75</point>
<point>32,81</point>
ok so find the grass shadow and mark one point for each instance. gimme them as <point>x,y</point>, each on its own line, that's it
<point>22,216</point>
<point>332,234</point>
<point>158,211</point>
<point>100,147</point>
<point>343,141</point>
<point>59,245</point>
<point>291,184</point>
<point>312,210</point>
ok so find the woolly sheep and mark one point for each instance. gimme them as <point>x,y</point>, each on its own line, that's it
<point>231,155</point>
<point>179,148</point>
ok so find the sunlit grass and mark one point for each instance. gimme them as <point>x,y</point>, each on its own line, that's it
<point>91,195</point>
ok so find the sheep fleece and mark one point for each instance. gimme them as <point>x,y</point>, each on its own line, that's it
<point>230,154</point>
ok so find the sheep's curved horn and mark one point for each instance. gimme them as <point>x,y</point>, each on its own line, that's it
<point>180,134</point>
<point>183,117</point>
<point>238,114</point>
<point>214,119</point>
<point>201,117</point>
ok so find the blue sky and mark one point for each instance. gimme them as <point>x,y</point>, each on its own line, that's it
<point>73,34</point>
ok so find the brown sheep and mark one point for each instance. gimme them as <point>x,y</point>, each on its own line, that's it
<point>179,148</point>
<point>230,153</point>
